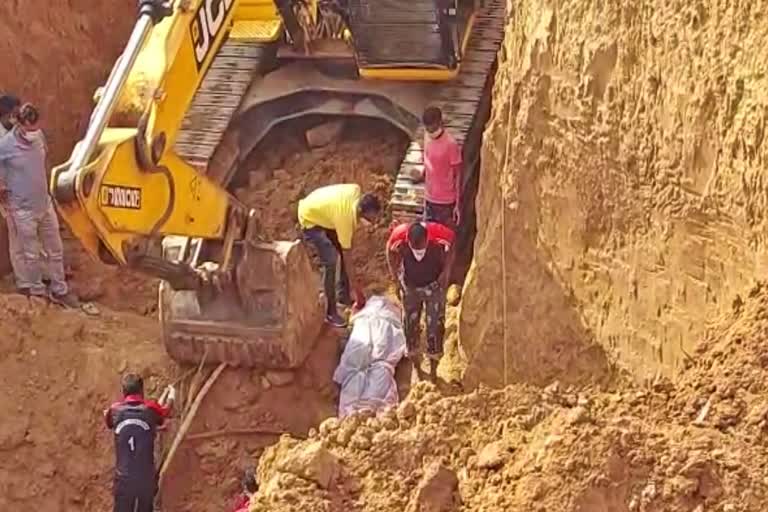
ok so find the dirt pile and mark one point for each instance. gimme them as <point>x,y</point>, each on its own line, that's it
<point>622,170</point>
<point>60,370</point>
<point>555,449</point>
<point>59,53</point>
<point>726,383</point>
<point>283,169</point>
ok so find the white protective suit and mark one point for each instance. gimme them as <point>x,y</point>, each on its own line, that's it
<point>366,371</point>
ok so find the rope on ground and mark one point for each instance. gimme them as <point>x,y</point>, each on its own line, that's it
<point>188,420</point>
<point>502,186</point>
<point>194,384</point>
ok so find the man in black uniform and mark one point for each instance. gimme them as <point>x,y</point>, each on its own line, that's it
<point>135,422</point>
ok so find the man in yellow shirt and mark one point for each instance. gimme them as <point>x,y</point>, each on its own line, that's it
<point>328,218</point>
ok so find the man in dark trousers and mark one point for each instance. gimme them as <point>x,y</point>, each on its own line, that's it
<point>135,422</point>
<point>442,171</point>
<point>420,256</point>
<point>329,217</point>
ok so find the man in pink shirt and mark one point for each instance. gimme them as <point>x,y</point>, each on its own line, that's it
<point>442,171</point>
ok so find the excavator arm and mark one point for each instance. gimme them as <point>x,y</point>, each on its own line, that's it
<point>124,187</point>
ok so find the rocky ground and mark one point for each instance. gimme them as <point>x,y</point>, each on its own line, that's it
<point>619,216</point>
<point>694,446</point>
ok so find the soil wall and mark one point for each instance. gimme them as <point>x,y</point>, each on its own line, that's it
<point>55,54</point>
<point>622,195</point>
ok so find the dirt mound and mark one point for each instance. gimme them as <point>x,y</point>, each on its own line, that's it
<point>558,449</point>
<point>726,384</point>
<point>60,370</point>
<point>283,169</point>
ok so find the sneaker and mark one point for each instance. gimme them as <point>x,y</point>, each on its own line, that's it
<point>67,300</point>
<point>335,320</point>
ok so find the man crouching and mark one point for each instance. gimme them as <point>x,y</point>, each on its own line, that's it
<point>420,256</point>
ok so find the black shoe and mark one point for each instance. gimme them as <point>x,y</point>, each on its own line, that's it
<point>335,320</point>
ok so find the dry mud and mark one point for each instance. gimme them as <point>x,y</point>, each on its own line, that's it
<point>692,447</point>
<point>622,196</point>
<point>620,223</point>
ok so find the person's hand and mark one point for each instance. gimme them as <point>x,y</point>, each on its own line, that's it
<point>456,214</point>
<point>443,280</point>
<point>171,393</point>
<point>359,299</point>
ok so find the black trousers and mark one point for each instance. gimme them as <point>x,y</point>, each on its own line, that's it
<point>329,251</point>
<point>127,500</point>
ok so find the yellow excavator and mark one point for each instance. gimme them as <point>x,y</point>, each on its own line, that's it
<point>198,86</point>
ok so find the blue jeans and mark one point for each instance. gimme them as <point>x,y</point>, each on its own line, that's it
<point>329,251</point>
<point>30,233</point>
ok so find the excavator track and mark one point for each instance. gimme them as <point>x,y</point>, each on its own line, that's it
<point>216,101</point>
<point>465,102</point>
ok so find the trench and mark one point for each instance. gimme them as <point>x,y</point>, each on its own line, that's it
<point>248,409</point>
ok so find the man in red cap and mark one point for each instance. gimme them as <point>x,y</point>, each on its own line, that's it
<point>420,256</point>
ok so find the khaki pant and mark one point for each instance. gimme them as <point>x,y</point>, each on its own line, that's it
<point>30,233</point>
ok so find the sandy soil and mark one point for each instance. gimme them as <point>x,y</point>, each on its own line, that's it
<point>629,243</point>
<point>622,195</point>
<point>690,447</point>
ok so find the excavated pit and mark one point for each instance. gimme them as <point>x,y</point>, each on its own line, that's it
<point>245,410</point>
<point>628,200</point>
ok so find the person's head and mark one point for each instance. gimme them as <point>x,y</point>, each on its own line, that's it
<point>433,121</point>
<point>9,107</point>
<point>369,208</point>
<point>417,240</point>
<point>132,384</point>
<point>249,482</point>
<point>28,118</point>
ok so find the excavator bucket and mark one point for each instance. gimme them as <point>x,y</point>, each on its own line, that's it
<point>269,316</point>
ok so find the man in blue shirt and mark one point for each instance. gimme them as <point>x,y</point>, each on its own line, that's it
<point>31,215</point>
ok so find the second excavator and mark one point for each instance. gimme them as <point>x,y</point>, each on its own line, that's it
<point>198,86</point>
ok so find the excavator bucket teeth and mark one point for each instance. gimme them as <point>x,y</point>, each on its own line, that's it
<point>267,318</point>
